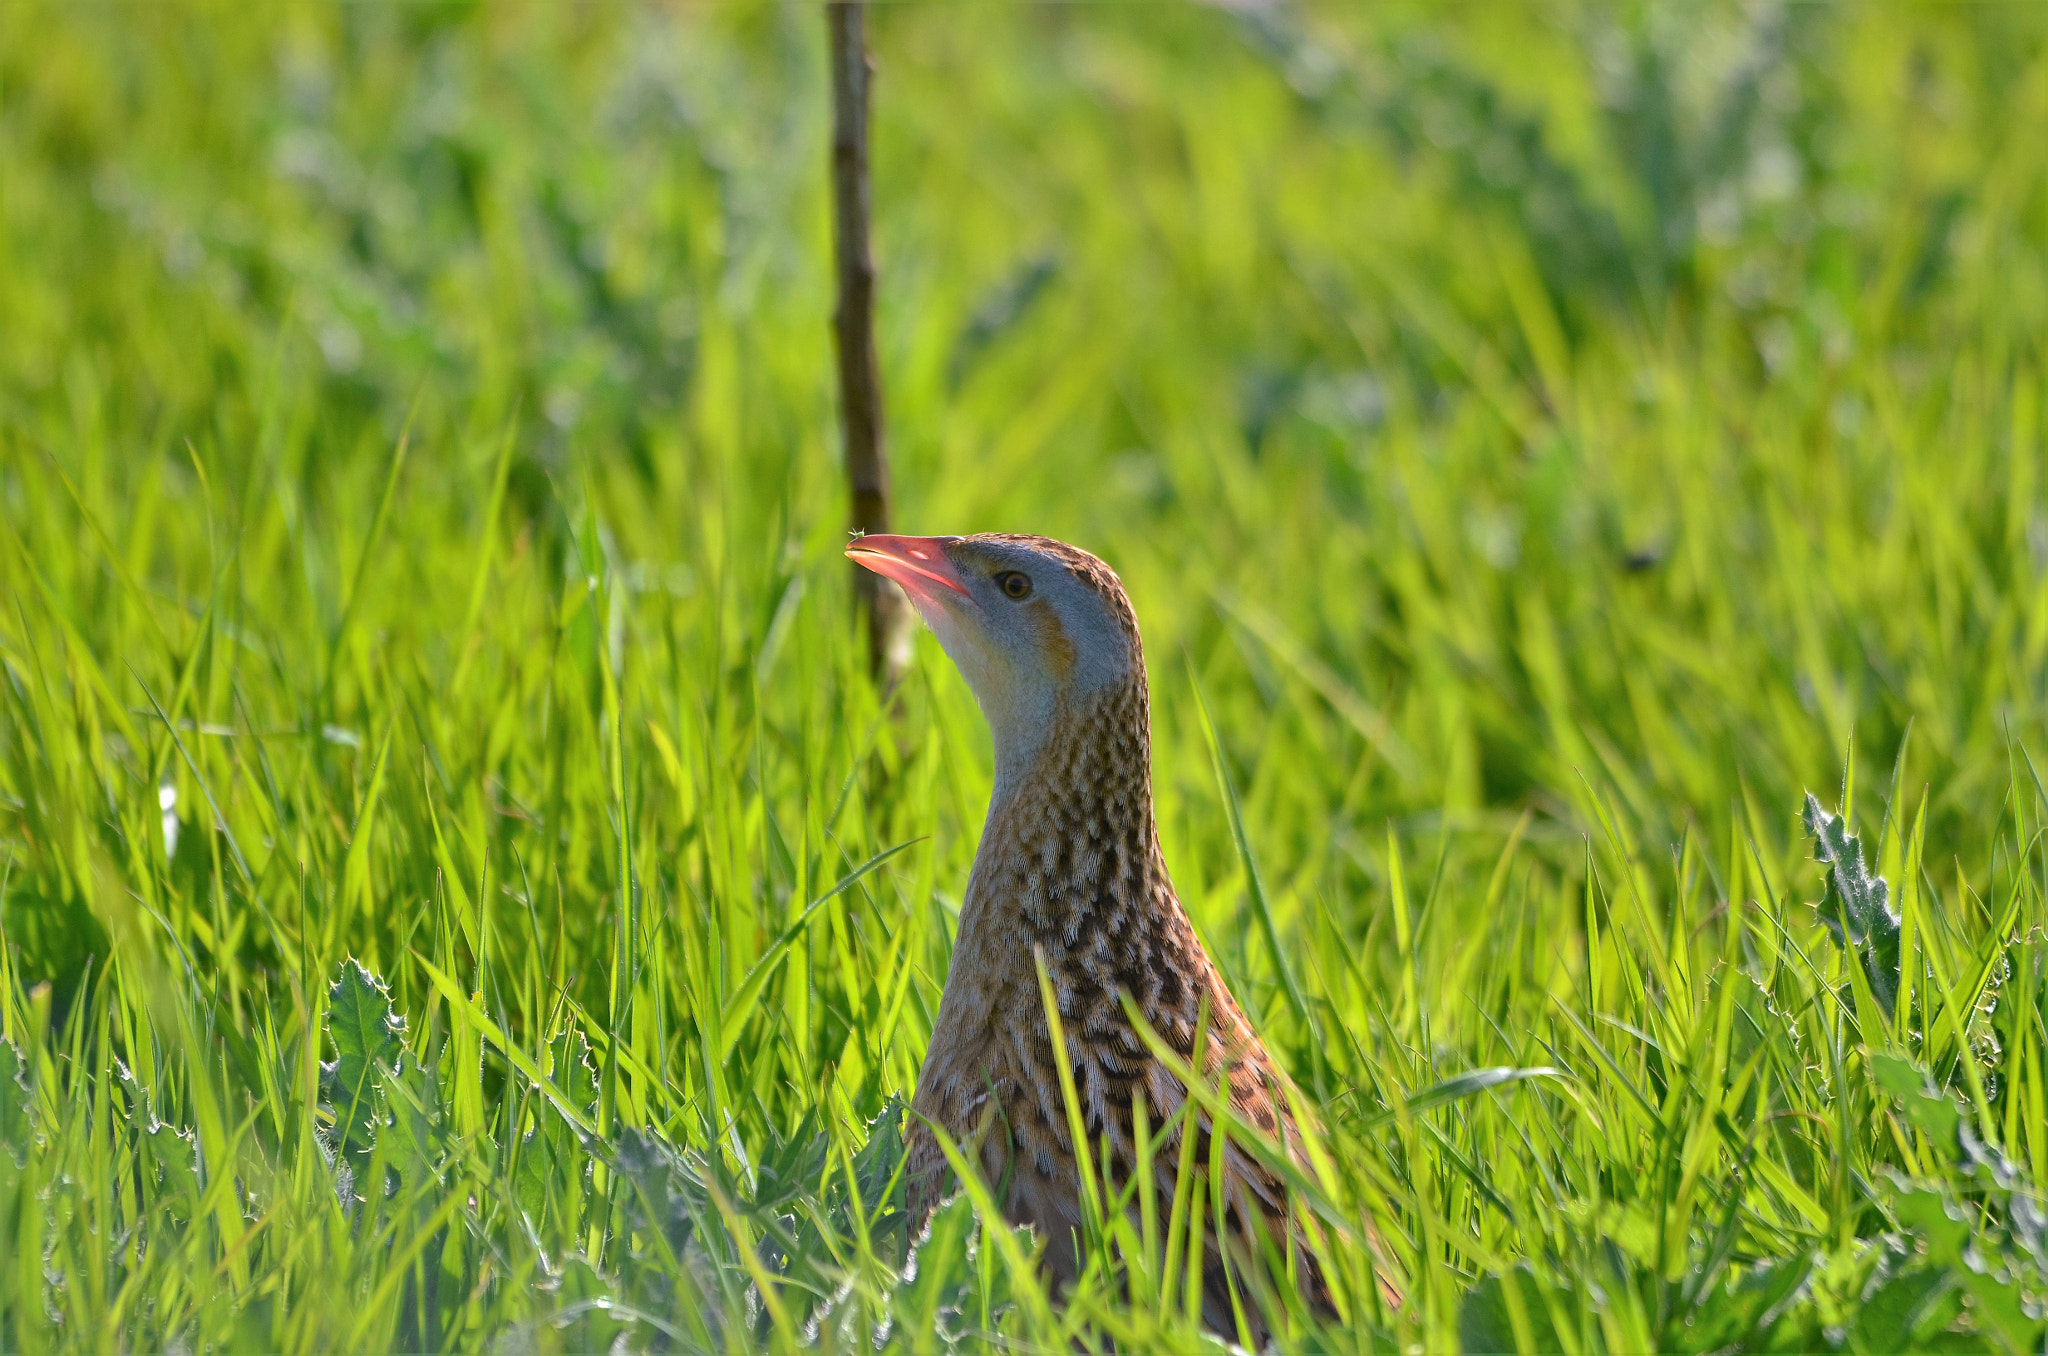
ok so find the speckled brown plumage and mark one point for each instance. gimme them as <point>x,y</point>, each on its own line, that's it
<point>1069,868</point>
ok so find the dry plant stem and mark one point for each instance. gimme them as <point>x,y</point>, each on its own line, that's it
<point>853,324</point>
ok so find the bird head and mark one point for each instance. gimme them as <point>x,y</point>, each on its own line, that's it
<point>1037,627</point>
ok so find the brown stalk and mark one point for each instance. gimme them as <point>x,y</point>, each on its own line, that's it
<point>853,325</point>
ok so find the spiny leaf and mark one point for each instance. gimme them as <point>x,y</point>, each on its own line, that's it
<point>366,1033</point>
<point>1857,907</point>
<point>574,1069</point>
<point>876,1166</point>
<point>169,1153</point>
<point>14,1103</point>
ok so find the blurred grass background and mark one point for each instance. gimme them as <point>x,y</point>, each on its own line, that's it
<point>1552,436</point>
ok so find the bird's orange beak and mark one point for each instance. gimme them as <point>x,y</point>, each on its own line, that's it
<point>919,564</point>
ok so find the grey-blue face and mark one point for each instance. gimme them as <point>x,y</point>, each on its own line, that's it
<point>1034,625</point>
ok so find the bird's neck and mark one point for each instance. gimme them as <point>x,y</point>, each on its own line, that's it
<point>1071,837</point>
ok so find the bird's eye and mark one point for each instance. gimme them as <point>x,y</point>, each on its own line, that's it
<point>1013,584</point>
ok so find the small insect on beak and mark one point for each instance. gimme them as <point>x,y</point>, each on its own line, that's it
<point>919,564</point>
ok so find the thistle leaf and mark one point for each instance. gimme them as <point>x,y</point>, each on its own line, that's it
<point>1857,908</point>
<point>168,1154</point>
<point>366,1033</point>
<point>15,1103</point>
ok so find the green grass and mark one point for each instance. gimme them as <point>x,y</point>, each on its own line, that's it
<point>1549,442</point>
